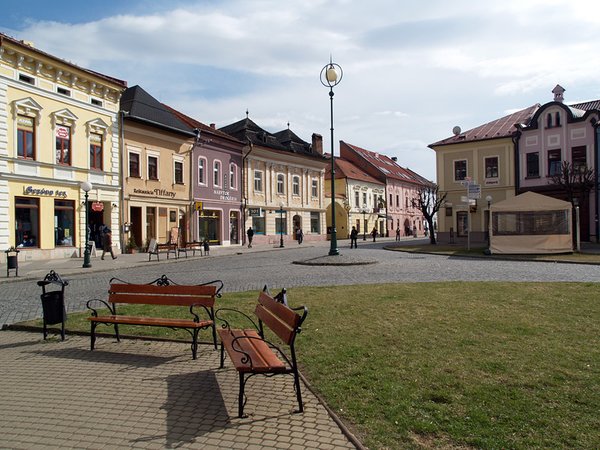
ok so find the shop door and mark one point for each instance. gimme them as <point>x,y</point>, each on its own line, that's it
<point>135,217</point>
<point>209,225</point>
<point>233,228</point>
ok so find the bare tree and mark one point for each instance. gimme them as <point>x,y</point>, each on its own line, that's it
<point>429,200</point>
<point>576,182</point>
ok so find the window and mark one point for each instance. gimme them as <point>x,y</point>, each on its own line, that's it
<point>280,223</point>
<point>63,91</point>
<point>533,165</point>
<point>397,201</point>
<point>201,171</point>
<point>365,199</point>
<point>63,145</point>
<point>296,185</point>
<point>461,223</point>
<point>406,201</point>
<point>578,156</point>
<point>64,223</point>
<point>178,172</point>
<point>134,165</point>
<point>26,137</point>
<point>26,79</point>
<point>153,168</point>
<point>232,171</point>
<point>391,200</point>
<point>95,151</point>
<point>96,102</point>
<point>553,162</point>
<point>448,211</point>
<point>258,182</point>
<point>217,173</point>
<point>557,119</point>
<point>491,167</point>
<point>460,170</point>
<point>315,222</point>
<point>280,183</point>
<point>258,224</point>
<point>315,188</point>
<point>356,199</point>
<point>549,121</point>
<point>27,222</point>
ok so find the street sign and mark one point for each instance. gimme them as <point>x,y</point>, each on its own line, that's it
<point>474,191</point>
<point>198,206</point>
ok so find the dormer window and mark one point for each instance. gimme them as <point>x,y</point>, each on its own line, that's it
<point>549,121</point>
<point>557,119</point>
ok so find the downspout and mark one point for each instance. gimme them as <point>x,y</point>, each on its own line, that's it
<point>515,140</point>
<point>244,191</point>
<point>122,178</point>
<point>194,221</point>
<point>595,124</point>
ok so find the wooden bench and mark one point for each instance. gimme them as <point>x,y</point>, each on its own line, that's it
<point>154,248</point>
<point>252,354</point>
<point>162,291</point>
<point>190,247</point>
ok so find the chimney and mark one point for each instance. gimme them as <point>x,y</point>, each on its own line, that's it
<point>395,158</point>
<point>317,143</point>
<point>558,92</point>
<point>213,126</point>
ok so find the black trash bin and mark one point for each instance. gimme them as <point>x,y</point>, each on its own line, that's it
<point>12,261</point>
<point>53,302</point>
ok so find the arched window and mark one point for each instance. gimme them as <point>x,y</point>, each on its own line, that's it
<point>217,173</point>
<point>280,184</point>
<point>557,119</point>
<point>232,176</point>
<point>549,120</point>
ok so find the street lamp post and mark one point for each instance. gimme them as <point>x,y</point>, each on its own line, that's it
<point>281,225</point>
<point>86,187</point>
<point>489,230</point>
<point>331,75</point>
<point>364,211</point>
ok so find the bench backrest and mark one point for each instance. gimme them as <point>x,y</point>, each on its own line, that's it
<point>149,294</point>
<point>282,320</point>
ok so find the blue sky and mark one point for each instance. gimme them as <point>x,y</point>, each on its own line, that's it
<point>412,70</point>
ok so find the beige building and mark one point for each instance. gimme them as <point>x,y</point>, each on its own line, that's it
<point>156,171</point>
<point>58,128</point>
<point>483,156</point>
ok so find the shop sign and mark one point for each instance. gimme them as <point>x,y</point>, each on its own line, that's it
<point>155,192</point>
<point>97,206</point>
<point>255,212</point>
<point>30,190</point>
<point>224,195</point>
<point>198,206</point>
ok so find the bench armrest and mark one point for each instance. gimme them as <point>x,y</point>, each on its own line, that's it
<point>209,312</point>
<point>94,311</point>
<point>226,324</point>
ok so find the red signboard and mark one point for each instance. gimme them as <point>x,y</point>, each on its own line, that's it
<point>97,206</point>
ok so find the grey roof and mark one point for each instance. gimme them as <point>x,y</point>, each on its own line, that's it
<point>144,108</point>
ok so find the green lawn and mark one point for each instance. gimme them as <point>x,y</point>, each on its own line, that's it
<point>451,365</point>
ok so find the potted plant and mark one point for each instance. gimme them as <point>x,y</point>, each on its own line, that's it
<point>131,245</point>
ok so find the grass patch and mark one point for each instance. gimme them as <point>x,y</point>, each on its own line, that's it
<point>449,365</point>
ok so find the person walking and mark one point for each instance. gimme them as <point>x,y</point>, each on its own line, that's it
<point>398,233</point>
<point>250,234</point>
<point>414,231</point>
<point>374,233</point>
<point>353,238</point>
<point>107,244</point>
<point>299,235</point>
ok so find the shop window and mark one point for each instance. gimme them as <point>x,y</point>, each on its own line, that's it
<point>315,222</point>
<point>64,220</point>
<point>258,181</point>
<point>25,137</point>
<point>134,165</point>
<point>578,156</point>
<point>491,167</point>
<point>153,168</point>
<point>27,222</point>
<point>178,176</point>
<point>217,173</point>
<point>315,188</point>
<point>533,165</point>
<point>460,170</point>
<point>554,162</point>
<point>296,185</point>
<point>201,171</point>
<point>63,145</point>
<point>258,224</point>
<point>280,224</point>
<point>96,151</point>
<point>280,183</point>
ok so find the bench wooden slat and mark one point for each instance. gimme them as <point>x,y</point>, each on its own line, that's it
<point>278,317</point>
<point>262,356</point>
<point>173,289</point>
<point>152,321</point>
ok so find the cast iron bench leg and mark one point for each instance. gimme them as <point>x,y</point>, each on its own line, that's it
<point>241,397</point>
<point>195,343</point>
<point>92,335</point>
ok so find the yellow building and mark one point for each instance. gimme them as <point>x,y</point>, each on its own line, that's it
<point>483,156</point>
<point>58,128</point>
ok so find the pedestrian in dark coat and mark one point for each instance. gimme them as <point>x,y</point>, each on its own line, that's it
<point>250,234</point>
<point>353,238</point>
<point>107,244</point>
<point>374,233</point>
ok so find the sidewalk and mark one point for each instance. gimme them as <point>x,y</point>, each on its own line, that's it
<point>146,394</point>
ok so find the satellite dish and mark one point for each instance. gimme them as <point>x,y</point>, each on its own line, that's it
<point>456,130</point>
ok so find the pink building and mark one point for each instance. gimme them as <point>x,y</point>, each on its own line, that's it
<point>558,132</point>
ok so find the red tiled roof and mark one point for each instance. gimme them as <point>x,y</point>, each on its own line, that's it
<point>499,128</point>
<point>386,165</point>
<point>345,169</point>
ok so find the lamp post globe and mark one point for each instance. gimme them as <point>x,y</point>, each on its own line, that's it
<point>281,225</point>
<point>86,187</point>
<point>331,75</point>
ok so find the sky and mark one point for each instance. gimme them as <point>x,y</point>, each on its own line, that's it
<point>411,70</point>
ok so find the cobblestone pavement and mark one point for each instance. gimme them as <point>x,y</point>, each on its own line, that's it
<point>139,394</point>
<point>243,269</point>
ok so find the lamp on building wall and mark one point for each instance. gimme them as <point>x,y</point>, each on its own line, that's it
<point>364,211</point>
<point>331,75</point>
<point>86,187</point>
<point>281,225</point>
<point>489,230</point>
